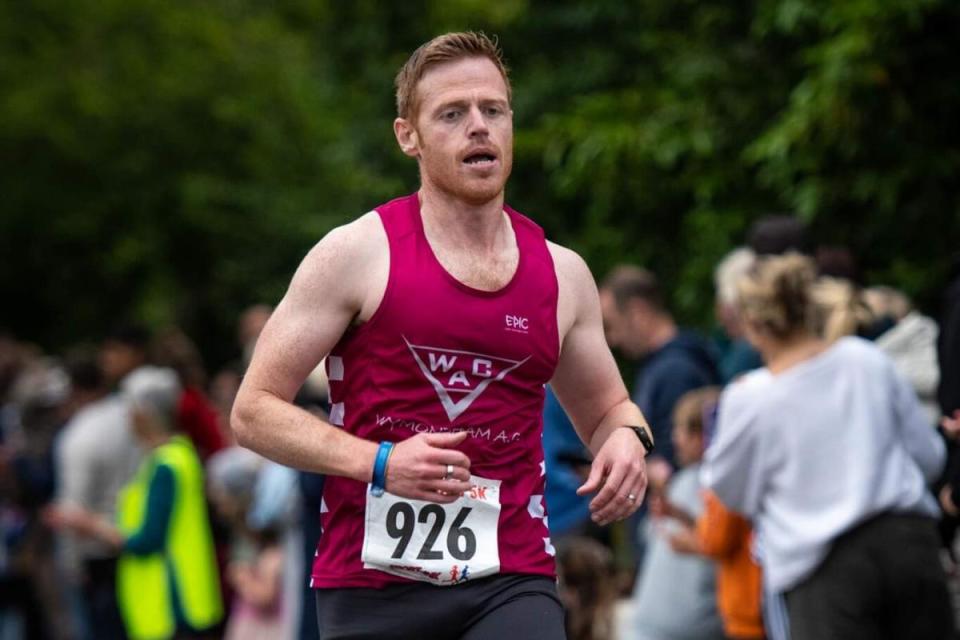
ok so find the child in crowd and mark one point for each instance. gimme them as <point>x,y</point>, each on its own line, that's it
<point>587,588</point>
<point>673,582</point>
<point>725,537</point>
<point>257,583</point>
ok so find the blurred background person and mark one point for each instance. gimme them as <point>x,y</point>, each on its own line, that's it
<point>257,582</point>
<point>909,338</point>
<point>839,309</point>
<point>725,537</point>
<point>671,582</point>
<point>737,356</point>
<point>196,414</point>
<point>97,455</point>
<point>167,579</point>
<point>777,233</point>
<point>251,323</point>
<point>567,464</point>
<point>948,352</point>
<point>829,453</point>
<point>86,410</point>
<point>587,588</point>
<point>669,362</point>
<point>33,409</point>
<point>948,395</point>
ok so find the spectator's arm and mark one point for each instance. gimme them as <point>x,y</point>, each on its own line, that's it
<point>733,466</point>
<point>76,465</point>
<point>919,437</point>
<point>719,530</point>
<point>258,588</point>
<point>152,535</point>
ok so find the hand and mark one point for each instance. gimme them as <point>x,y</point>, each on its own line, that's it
<point>659,472</point>
<point>72,518</point>
<point>685,541</point>
<point>659,506</point>
<point>946,501</point>
<point>951,425</point>
<point>237,573</point>
<point>417,468</point>
<point>83,523</point>
<point>618,472</point>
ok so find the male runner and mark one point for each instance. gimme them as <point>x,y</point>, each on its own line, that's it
<point>442,314</point>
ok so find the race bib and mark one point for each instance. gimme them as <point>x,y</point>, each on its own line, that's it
<point>443,544</point>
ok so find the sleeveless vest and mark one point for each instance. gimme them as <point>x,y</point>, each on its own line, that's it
<point>188,561</point>
<point>440,356</point>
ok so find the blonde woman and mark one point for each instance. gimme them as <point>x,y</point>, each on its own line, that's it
<point>828,452</point>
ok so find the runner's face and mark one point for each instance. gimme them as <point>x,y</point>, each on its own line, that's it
<point>463,130</point>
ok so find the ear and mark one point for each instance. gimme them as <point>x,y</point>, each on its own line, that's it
<point>407,137</point>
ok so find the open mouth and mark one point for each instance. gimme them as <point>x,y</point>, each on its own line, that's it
<point>481,158</point>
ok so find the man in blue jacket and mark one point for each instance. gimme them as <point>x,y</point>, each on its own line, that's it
<point>670,361</point>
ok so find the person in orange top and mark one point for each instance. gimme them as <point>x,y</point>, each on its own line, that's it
<point>725,536</point>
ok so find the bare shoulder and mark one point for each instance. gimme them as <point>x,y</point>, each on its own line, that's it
<point>349,264</point>
<point>577,290</point>
<point>569,265</point>
<point>347,247</point>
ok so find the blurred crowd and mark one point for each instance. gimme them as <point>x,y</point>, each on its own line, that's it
<point>127,510</point>
<point>806,467</point>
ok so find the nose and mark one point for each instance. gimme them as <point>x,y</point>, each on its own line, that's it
<point>476,123</point>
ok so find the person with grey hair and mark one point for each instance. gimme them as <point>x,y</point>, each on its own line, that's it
<point>737,356</point>
<point>167,578</point>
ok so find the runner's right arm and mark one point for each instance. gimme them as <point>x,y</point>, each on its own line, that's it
<point>340,281</point>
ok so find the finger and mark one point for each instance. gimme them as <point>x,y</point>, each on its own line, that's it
<point>439,472</point>
<point>443,492</point>
<point>594,480</point>
<point>626,501</point>
<point>450,456</point>
<point>611,486</point>
<point>618,508</point>
<point>445,440</point>
<point>454,487</point>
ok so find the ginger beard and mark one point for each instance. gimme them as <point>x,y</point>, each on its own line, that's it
<point>462,134</point>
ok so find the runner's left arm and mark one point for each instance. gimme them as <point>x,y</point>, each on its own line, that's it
<point>588,385</point>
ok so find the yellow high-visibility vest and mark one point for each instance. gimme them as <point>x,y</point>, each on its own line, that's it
<point>187,561</point>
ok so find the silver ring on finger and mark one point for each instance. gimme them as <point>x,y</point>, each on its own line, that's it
<point>449,473</point>
<point>631,497</point>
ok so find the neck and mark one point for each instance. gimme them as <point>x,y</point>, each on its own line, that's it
<point>780,355</point>
<point>479,225</point>
<point>663,332</point>
<point>155,440</point>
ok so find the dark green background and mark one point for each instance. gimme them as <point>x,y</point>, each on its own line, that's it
<point>171,161</point>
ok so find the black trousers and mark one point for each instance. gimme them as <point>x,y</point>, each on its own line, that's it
<point>100,597</point>
<point>494,608</point>
<point>881,580</point>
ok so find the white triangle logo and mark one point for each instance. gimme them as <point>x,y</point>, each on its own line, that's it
<point>459,377</point>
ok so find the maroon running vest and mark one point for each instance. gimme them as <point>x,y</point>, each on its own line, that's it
<point>439,356</point>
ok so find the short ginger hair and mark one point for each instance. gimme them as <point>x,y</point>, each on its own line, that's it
<point>446,48</point>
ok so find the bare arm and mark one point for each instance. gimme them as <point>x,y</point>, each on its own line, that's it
<point>324,297</point>
<point>588,385</point>
<point>341,281</point>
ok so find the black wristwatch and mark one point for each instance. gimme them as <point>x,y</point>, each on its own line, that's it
<point>644,437</point>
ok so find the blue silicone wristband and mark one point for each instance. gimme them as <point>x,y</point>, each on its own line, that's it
<point>379,482</point>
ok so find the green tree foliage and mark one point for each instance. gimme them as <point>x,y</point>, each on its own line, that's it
<point>172,161</point>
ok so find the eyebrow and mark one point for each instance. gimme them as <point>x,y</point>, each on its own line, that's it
<point>464,103</point>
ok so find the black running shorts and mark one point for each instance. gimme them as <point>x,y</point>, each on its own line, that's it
<point>494,608</point>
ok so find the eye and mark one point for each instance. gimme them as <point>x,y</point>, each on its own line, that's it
<point>494,111</point>
<point>450,115</point>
